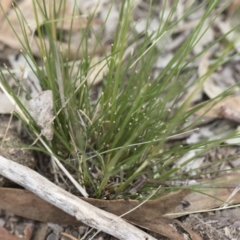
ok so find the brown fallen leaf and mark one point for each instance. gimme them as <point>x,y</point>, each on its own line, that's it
<point>68,236</point>
<point>40,232</point>
<point>233,5</point>
<point>214,108</point>
<point>168,228</point>
<point>149,212</point>
<point>210,194</point>
<point>5,235</point>
<point>173,205</point>
<point>14,38</point>
<point>17,201</point>
<point>28,232</point>
<point>151,215</point>
<point>229,113</point>
<point>5,5</point>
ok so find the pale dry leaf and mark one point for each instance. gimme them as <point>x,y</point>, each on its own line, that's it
<point>204,64</point>
<point>71,20</point>
<point>92,6</point>
<point>211,87</point>
<point>163,61</point>
<point>166,11</point>
<point>8,36</point>
<point>210,132</point>
<point>140,25</point>
<point>229,113</point>
<point>213,193</point>
<point>195,90</point>
<point>55,227</point>
<point>6,105</point>
<point>6,4</point>
<point>177,41</point>
<point>194,164</point>
<point>235,140</point>
<point>208,37</point>
<point>202,133</point>
<point>152,31</point>
<point>194,93</point>
<point>41,231</point>
<point>180,9</point>
<point>41,109</point>
<point>6,235</point>
<point>100,69</point>
<point>28,232</point>
<point>225,28</point>
<point>25,19</point>
<point>220,82</point>
<point>213,109</point>
<point>68,236</point>
<point>24,65</point>
<point>213,84</point>
<point>109,15</point>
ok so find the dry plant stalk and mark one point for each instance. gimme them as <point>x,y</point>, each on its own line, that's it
<point>81,210</point>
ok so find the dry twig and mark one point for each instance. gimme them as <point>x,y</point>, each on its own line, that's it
<point>69,203</point>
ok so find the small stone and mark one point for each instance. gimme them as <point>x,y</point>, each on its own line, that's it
<point>51,236</point>
<point>82,230</point>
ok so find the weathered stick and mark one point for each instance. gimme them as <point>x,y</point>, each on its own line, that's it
<point>83,211</point>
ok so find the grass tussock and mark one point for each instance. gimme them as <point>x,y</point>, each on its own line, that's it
<point>116,133</point>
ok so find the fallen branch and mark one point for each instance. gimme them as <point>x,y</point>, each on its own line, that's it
<point>82,211</point>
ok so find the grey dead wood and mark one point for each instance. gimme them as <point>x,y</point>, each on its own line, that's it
<point>83,211</point>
